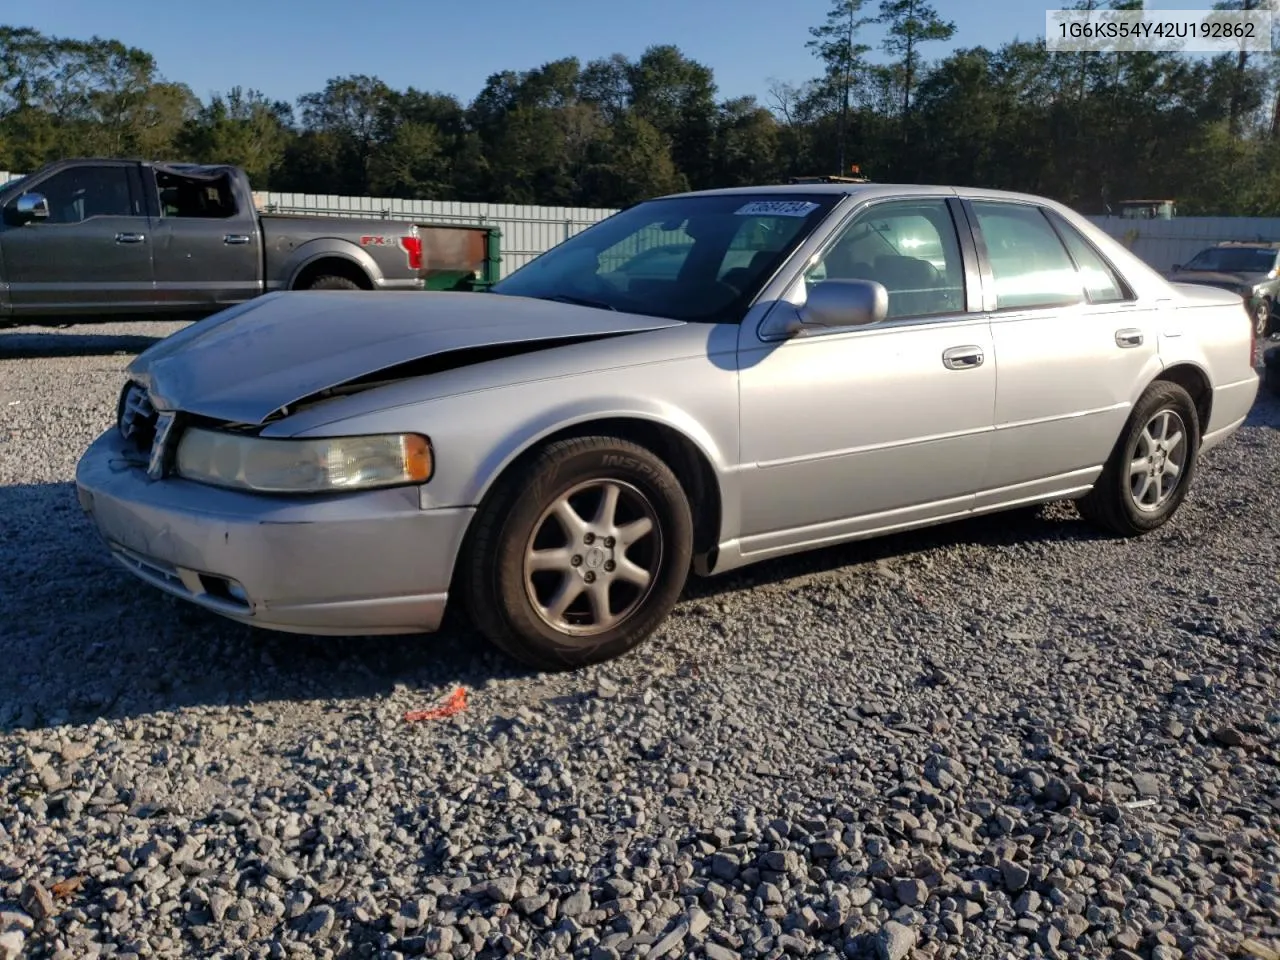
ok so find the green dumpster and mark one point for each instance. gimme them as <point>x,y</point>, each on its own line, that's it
<point>460,256</point>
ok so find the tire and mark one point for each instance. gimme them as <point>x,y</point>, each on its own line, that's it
<point>1262,318</point>
<point>332,282</point>
<point>511,602</point>
<point>1113,503</point>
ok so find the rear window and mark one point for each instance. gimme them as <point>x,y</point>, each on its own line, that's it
<point>1234,259</point>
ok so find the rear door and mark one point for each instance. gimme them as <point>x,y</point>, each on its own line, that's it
<point>1073,344</point>
<point>208,250</point>
<point>93,253</point>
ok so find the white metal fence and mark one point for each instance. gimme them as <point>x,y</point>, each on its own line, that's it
<point>529,230</point>
<point>526,230</point>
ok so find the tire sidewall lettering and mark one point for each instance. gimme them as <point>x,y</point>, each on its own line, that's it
<point>636,466</point>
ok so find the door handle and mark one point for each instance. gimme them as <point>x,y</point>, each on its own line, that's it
<point>1129,337</point>
<point>963,358</point>
<point>130,237</point>
<point>236,239</point>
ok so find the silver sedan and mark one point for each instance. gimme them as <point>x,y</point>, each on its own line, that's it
<point>699,382</point>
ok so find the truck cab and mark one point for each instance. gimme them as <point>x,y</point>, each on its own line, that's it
<point>110,237</point>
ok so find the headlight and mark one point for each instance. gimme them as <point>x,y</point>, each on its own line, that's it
<point>303,466</point>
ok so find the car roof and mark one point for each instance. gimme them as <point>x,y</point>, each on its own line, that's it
<point>867,190</point>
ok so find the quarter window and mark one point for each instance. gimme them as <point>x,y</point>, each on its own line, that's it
<point>1101,283</point>
<point>80,193</point>
<point>1029,264</point>
<point>909,246</point>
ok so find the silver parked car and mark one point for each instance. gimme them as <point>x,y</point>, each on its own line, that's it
<point>809,365</point>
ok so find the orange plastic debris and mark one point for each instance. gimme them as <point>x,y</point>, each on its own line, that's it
<point>66,888</point>
<point>456,703</point>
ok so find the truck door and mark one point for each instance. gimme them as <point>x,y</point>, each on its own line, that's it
<point>208,251</point>
<point>92,254</point>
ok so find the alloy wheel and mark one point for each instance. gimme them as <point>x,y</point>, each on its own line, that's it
<point>593,557</point>
<point>1158,461</point>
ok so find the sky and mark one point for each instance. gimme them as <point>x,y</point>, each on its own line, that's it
<point>286,47</point>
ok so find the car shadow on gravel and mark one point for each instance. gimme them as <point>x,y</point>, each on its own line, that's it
<point>83,639</point>
<point>1057,521</point>
<point>1265,412</point>
<point>25,346</point>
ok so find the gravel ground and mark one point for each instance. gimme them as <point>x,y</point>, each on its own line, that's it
<point>1003,738</point>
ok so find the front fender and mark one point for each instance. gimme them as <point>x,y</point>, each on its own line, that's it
<point>324,249</point>
<point>533,430</point>
<point>479,433</point>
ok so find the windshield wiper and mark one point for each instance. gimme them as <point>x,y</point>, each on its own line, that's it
<point>580,301</point>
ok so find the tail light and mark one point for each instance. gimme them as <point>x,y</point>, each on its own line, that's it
<point>413,247</point>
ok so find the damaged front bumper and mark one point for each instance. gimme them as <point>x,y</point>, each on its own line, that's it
<point>363,563</point>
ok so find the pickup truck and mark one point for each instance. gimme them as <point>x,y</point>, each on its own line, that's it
<point>90,236</point>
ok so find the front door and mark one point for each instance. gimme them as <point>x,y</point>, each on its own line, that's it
<point>862,430</point>
<point>93,253</point>
<point>1075,349</point>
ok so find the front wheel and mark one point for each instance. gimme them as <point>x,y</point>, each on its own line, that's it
<point>1150,469</point>
<point>578,558</point>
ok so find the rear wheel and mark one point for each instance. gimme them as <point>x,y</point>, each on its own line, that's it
<point>578,558</point>
<point>332,282</point>
<point>1147,477</point>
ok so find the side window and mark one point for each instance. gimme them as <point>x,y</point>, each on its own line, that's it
<point>1101,283</point>
<point>1029,264</point>
<point>191,197</point>
<point>77,194</point>
<point>909,246</point>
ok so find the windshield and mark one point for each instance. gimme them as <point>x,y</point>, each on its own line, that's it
<point>693,258</point>
<point>1234,260</point>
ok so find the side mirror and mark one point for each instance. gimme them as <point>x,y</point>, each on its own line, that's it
<point>29,207</point>
<point>844,303</point>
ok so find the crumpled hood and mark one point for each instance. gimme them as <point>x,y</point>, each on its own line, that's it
<point>245,363</point>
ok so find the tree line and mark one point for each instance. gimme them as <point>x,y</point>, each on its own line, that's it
<point>1089,129</point>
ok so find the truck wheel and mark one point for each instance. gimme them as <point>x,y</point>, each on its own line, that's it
<point>1150,469</point>
<point>577,558</point>
<point>332,282</point>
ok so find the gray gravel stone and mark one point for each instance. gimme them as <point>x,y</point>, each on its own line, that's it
<point>12,918</point>
<point>911,892</point>
<point>894,941</point>
<point>1015,875</point>
<point>37,901</point>
<point>319,921</point>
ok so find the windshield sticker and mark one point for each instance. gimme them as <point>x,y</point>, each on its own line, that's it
<point>776,208</point>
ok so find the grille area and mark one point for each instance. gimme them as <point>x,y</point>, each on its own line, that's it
<point>136,418</point>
